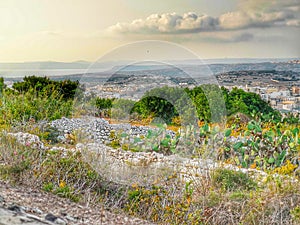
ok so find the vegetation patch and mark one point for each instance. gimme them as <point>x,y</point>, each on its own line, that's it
<point>256,137</point>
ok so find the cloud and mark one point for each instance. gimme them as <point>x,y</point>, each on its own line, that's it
<point>275,13</point>
<point>243,20</point>
<point>168,23</point>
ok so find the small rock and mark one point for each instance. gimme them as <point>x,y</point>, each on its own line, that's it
<point>36,210</point>
<point>25,219</point>
<point>15,208</point>
<point>51,217</point>
<point>30,216</point>
<point>60,221</point>
<point>1,199</point>
<point>70,218</point>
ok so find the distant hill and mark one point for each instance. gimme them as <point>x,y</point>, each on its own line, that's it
<point>191,67</point>
<point>44,65</point>
<point>81,64</point>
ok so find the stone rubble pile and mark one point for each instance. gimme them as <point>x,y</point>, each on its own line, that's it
<point>145,168</point>
<point>99,129</point>
<point>127,167</point>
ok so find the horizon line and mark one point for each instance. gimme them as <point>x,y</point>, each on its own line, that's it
<point>86,61</point>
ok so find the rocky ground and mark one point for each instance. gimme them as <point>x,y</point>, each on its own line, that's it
<point>98,129</point>
<point>25,205</point>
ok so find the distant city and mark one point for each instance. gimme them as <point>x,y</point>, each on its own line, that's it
<point>277,82</point>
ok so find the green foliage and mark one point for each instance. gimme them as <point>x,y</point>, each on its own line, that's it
<point>238,196</point>
<point>103,106</point>
<point>43,86</point>
<point>21,108</point>
<point>2,86</point>
<point>160,103</point>
<point>156,139</point>
<point>48,187</point>
<point>50,134</point>
<point>159,204</point>
<point>265,146</point>
<point>66,192</point>
<point>268,146</point>
<point>250,104</point>
<point>213,198</point>
<point>121,109</point>
<point>292,118</point>
<point>295,212</point>
<point>232,180</point>
<point>169,103</point>
<point>17,157</point>
<point>33,101</point>
<point>208,100</point>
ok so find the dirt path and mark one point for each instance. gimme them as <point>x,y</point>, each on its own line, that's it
<point>24,205</point>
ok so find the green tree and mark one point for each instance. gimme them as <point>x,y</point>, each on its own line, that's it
<point>2,86</point>
<point>43,86</point>
<point>159,102</point>
<point>103,106</point>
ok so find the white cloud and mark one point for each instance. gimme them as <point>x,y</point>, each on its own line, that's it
<point>243,20</point>
<point>275,13</point>
<point>234,20</point>
<point>168,23</point>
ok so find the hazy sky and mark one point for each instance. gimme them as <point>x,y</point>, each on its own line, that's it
<point>70,30</point>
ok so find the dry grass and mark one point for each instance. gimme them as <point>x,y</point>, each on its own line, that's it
<point>225,198</point>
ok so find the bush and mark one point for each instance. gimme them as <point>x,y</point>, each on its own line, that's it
<point>20,107</point>
<point>43,86</point>
<point>232,180</point>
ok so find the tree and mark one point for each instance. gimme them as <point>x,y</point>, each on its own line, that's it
<point>103,106</point>
<point>2,86</point>
<point>43,86</point>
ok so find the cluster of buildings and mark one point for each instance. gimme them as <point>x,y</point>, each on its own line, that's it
<point>132,88</point>
<point>283,96</point>
<point>281,89</point>
<point>284,99</point>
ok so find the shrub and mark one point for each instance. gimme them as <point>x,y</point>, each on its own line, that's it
<point>43,86</point>
<point>19,109</point>
<point>48,187</point>
<point>17,158</point>
<point>295,212</point>
<point>232,180</point>
<point>167,205</point>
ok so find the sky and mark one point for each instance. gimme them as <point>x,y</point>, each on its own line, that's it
<point>72,30</point>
